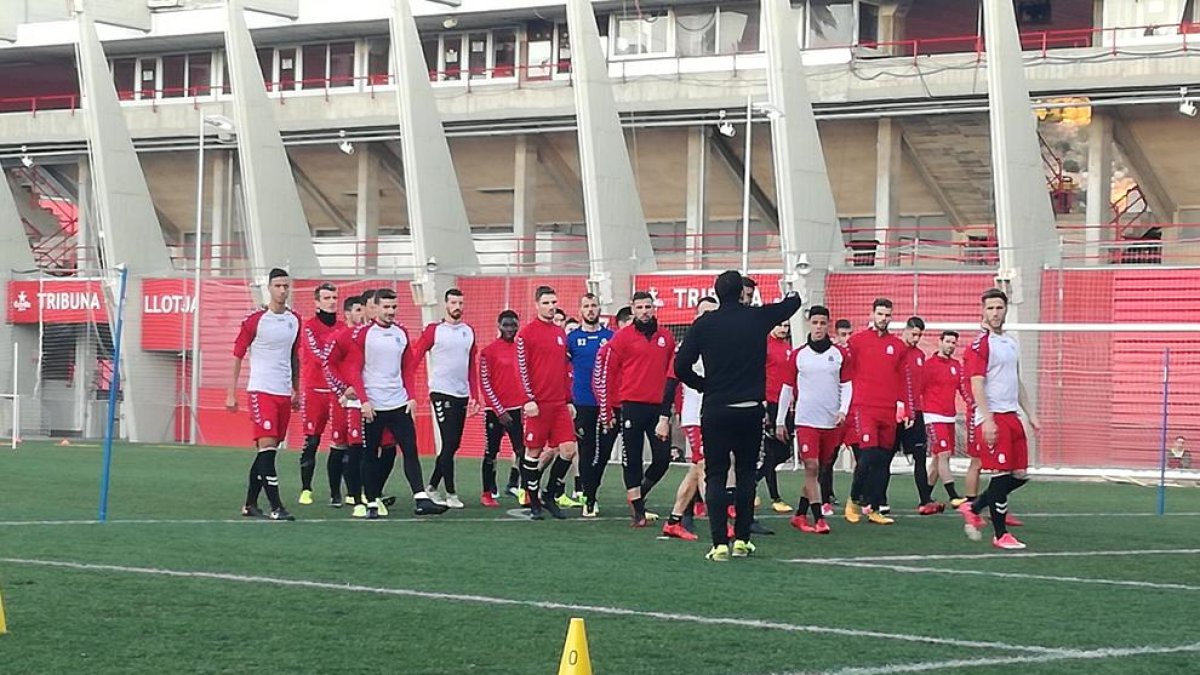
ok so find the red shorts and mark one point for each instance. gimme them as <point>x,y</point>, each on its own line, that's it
<point>270,414</point>
<point>817,444</point>
<point>871,427</point>
<point>695,441</point>
<point>347,425</point>
<point>839,435</point>
<point>1011,450</point>
<point>551,428</point>
<point>940,437</point>
<point>315,410</point>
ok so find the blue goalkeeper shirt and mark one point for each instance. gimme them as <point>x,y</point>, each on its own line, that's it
<point>582,347</point>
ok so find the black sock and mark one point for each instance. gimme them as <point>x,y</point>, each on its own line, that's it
<point>639,507</point>
<point>531,476</point>
<point>255,484</point>
<point>387,462</point>
<point>352,472</point>
<point>556,486</point>
<point>514,477</point>
<point>674,518</point>
<point>950,491</point>
<point>578,484</point>
<point>308,461</point>
<point>333,467</point>
<point>998,511</point>
<point>816,512</point>
<point>802,508</point>
<point>270,478</point>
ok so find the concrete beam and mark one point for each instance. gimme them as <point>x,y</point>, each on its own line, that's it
<point>16,255</point>
<point>888,154</point>
<point>388,155</point>
<point>618,240</point>
<point>809,232</point>
<point>1099,182</point>
<point>277,233</point>
<point>131,235</point>
<point>565,177</point>
<point>697,195</point>
<point>367,210</point>
<point>935,188</point>
<point>525,196</point>
<point>437,217</point>
<point>737,170</point>
<point>1157,195</point>
<point>306,184</point>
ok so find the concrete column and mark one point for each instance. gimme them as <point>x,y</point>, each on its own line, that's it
<point>130,235</point>
<point>1025,224</point>
<point>443,247</point>
<point>222,177</point>
<point>525,181</point>
<point>808,224</point>
<point>888,149</point>
<point>618,241</point>
<point>697,196</point>
<point>276,230</point>
<point>1099,184</point>
<point>366,223</point>
<point>87,245</point>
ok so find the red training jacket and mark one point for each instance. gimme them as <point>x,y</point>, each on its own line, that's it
<point>498,377</point>
<point>943,377</point>
<point>542,362</point>
<point>878,363</point>
<point>344,367</point>
<point>643,365</point>
<point>779,354</point>
<point>316,340</point>
<point>911,385</point>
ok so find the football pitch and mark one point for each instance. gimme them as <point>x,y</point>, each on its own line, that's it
<point>177,581</point>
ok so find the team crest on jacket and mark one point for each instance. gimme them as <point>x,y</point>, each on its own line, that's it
<point>953,370</point>
<point>921,361</point>
<point>890,351</point>
<point>560,340</point>
<point>662,341</point>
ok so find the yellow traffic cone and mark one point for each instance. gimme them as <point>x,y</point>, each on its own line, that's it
<point>4,626</point>
<point>575,658</point>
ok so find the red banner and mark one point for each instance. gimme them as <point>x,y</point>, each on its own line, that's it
<point>167,307</point>
<point>676,295</point>
<point>56,301</point>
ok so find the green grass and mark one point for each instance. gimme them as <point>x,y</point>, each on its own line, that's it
<point>104,620</point>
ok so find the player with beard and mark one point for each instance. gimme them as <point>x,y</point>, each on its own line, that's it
<point>943,379</point>
<point>316,399</point>
<point>503,398</point>
<point>642,354</point>
<point>583,346</point>
<point>606,377</point>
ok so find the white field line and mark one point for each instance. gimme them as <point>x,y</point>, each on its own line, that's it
<point>547,605</point>
<point>1010,575</point>
<point>1019,554</point>
<point>1088,654</point>
<point>503,519</point>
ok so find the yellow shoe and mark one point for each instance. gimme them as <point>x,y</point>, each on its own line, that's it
<point>348,500</point>
<point>780,506</point>
<point>306,497</point>
<point>757,501</point>
<point>360,511</point>
<point>566,502</point>
<point>853,513</point>
<point>742,549</point>
<point>382,510</point>
<point>719,553</point>
<point>957,502</point>
<point>880,519</point>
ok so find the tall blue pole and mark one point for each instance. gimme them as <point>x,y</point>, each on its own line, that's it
<point>1162,460</point>
<point>113,388</point>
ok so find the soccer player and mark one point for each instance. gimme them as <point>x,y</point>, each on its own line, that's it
<point>571,325</point>
<point>943,378</point>
<point>271,335</point>
<point>548,412</point>
<point>316,399</point>
<point>692,484</point>
<point>776,451</point>
<point>453,388</point>
<point>583,345</point>
<point>993,364</point>
<point>910,436</point>
<point>375,365</point>
<point>842,330</point>
<point>605,376</point>
<point>875,411</point>
<point>642,355</point>
<point>503,397</point>
<point>387,446</point>
<point>345,455</point>
<point>732,340</point>
<point>819,381</point>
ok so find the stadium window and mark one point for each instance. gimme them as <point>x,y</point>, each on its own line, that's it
<point>314,66</point>
<point>477,56</point>
<point>174,76</point>
<point>452,49</point>
<point>540,53</point>
<point>378,65</point>
<point>562,65</point>
<point>430,46</point>
<point>830,23</point>
<point>739,30</point>
<point>199,80</point>
<point>266,63</point>
<point>147,77</point>
<point>504,53</point>
<point>868,23</point>
<point>286,57</point>
<point>709,32</point>
<point>696,32</point>
<point>124,76</point>
<point>341,64</point>
<point>642,34</point>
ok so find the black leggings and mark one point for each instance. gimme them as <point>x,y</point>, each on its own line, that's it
<point>774,452</point>
<point>595,448</point>
<point>400,423</point>
<point>495,432</point>
<point>731,436</point>
<point>451,415</point>
<point>913,441</point>
<point>638,422</point>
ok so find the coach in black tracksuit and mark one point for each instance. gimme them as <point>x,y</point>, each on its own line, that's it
<point>732,341</point>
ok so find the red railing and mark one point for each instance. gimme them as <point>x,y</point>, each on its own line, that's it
<point>58,250</point>
<point>1060,184</point>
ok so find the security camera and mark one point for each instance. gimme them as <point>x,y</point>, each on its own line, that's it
<point>345,145</point>
<point>449,22</point>
<point>803,266</point>
<point>725,127</point>
<point>1188,107</point>
<point>27,161</point>
<point>431,265</point>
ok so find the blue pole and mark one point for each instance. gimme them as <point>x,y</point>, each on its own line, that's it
<point>1162,460</point>
<point>113,387</point>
